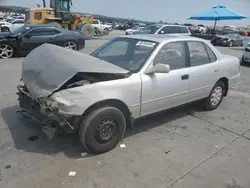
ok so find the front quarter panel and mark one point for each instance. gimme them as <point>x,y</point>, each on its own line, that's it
<point>127,90</point>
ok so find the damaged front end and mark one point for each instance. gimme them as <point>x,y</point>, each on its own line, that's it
<point>49,69</point>
<point>44,113</point>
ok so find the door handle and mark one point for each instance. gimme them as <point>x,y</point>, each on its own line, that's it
<point>51,38</point>
<point>185,77</point>
<point>216,70</point>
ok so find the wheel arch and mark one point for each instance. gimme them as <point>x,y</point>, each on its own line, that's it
<point>225,81</point>
<point>114,103</point>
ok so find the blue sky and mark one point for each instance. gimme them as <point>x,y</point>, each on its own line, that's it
<point>154,10</point>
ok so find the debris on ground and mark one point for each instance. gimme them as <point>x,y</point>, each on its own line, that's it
<point>216,146</point>
<point>84,154</point>
<point>8,166</point>
<point>167,152</point>
<point>33,138</point>
<point>72,173</point>
<point>122,146</point>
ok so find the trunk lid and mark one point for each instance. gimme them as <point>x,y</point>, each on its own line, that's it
<point>48,67</point>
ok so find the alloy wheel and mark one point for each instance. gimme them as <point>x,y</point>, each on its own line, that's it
<point>6,51</point>
<point>217,95</point>
<point>70,46</point>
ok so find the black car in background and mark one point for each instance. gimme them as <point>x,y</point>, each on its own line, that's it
<point>230,40</point>
<point>26,38</point>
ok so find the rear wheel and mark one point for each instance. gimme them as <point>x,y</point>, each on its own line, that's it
<point>71,45</point>
<point>214,100</point>
<point>102,129</point>
<point>88,31</point>
<point>6,51</point>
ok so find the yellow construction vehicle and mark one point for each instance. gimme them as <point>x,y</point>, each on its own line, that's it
<point>59,14</point>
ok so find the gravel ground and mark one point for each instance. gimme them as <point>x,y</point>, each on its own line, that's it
<point>180,148</point>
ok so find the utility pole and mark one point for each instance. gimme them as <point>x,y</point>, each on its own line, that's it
<point>44,4</point>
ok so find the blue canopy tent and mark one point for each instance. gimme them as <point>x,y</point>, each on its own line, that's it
<point>217,13</point>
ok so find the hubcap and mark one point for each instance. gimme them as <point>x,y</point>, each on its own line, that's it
<point>106,130</point>
<point>216,95</point>
<point>70,45</point>
<point>6,51</point>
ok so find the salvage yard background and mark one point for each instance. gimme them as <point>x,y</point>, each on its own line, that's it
<point>183,147</point>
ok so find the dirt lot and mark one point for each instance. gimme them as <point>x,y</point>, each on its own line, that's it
<point>180,148</point>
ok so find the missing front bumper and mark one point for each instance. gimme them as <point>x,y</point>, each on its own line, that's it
<point>46,117</point>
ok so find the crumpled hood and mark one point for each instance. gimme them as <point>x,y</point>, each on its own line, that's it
<point>48,67</point>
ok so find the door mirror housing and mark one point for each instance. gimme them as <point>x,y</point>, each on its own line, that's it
<point>159,68</point>
<point>247,49</point>
<point>28,35</point>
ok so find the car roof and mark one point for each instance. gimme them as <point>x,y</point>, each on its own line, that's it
<point>168,25</point>
<point>39,25</point>
<point>161,38</point>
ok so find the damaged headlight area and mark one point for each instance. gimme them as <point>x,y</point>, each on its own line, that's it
<point>45,112</point>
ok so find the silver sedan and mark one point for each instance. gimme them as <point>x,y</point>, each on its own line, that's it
<point>99,95</point>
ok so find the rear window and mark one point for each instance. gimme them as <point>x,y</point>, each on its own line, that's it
<point>95,22</point>
<point>183,30</point>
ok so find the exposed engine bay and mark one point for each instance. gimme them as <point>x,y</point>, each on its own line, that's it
<point>82,78</point>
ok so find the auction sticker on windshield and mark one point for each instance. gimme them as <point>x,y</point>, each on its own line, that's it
<point>145,44</point>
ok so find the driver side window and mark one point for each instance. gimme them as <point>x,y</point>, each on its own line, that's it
<point>172,54</point>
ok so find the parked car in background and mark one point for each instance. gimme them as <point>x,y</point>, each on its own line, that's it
<point>32,36</point>
<point>157,72</point>
<point>133,29</point>
<point>246,55</point>
<point>4,26</point>
<point>9,27</point>
<point>202,29</point>
<point>164,29</point>
<point>228,40</point>
<point>229,29</point>
<point>97,24</point>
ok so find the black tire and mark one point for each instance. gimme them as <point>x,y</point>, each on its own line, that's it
<point>5,29</point>
<point>88,31</point>
<point>208,101</point>
<point>90,136</point>
<point>242,62</point>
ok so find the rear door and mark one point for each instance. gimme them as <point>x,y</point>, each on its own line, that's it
<point>204,69</point>
<point>16,24</point>
<point>39,36</point>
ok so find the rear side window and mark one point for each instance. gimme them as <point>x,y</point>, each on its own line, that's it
<point>198,53</point>
<point>211,54</point>
<point>18,22</point>
<point>183,30</point>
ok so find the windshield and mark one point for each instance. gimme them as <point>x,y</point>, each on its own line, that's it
<point>128,53</point>
<point>152,28</point>
<point>20,30</point>
<point>135,27</point>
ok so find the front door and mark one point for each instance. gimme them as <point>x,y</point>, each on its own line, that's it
<point>39,36</point>
<point>165,90</point>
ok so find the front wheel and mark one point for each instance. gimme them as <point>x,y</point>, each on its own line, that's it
<point>88,31</point>
<point>6,51</point>
<point>242,62</point>
<point>214,100</point>
<point>102,129</point>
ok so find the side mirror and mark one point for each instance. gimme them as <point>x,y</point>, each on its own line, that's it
<point>159,68</point>
<point>247,49</point>
<point>162,32</point>
<point>28,35</point>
